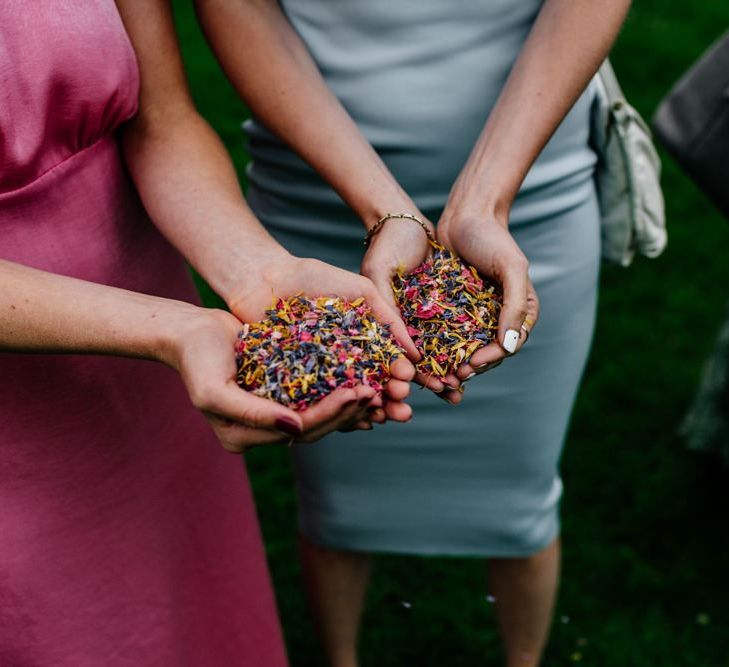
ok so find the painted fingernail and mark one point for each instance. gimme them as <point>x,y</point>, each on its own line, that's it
<point>510,340</point>
<point>289,426</point>
<point>469,376</point>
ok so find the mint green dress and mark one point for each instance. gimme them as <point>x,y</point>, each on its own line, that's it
<point>420,77</point>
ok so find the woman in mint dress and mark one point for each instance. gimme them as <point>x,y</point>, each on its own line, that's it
<point>475,116</point>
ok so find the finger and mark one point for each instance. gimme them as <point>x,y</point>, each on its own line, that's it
<point>336,407</point>
<point>429,381</point>
<point>480,359</point>
<point>515,283</point>
<point>378,416</point>
<point>376,402</point>
<point>452,381</point>
<point>381,299</point>
<point>397,390</point>
<point>452,396</point>
<point>402,369</point>
<point>359,425</point>
<point>237,438</point>
<point>232,402</point>
<point>343,408</point>
<point>398,412</point>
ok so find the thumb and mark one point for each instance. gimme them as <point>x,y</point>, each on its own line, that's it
<point>383,284</point>
<point>515,284</point>
<point>241,406</point>
<point>382,301</point>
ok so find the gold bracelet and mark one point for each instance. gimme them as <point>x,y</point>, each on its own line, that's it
<point>400,216</point>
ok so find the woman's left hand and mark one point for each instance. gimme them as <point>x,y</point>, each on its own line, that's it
<point>485,242</point>
<point>402,245</point>
<point>282,275</point>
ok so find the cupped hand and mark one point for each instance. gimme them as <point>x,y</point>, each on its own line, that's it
<point>203,354</point>
<point>486,243</point>
<point>283,275</point>
<point>402,245</point>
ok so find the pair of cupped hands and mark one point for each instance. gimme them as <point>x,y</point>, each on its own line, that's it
<point>202,350</point>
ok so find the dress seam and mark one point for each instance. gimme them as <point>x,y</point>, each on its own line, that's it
<point>57,165</point>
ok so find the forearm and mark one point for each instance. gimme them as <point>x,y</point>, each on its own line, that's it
<point>275,75</point>
<point>566,46</point>
<point>45,312</point>
<point>190,189</point>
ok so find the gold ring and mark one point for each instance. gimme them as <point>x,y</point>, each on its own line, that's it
<point>526,331</point>
<point>528,321</point>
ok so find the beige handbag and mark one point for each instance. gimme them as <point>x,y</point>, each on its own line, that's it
<point>627,175</point>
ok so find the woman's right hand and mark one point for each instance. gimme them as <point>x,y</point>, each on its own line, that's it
<point>402,245</point>
<point>486,243</point>
<point>202,351</point>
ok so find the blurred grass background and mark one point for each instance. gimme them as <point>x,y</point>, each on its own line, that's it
<point>646,529</point>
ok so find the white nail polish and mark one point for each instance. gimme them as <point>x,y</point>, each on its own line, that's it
<point>469,376</point>
<point>510,340</point>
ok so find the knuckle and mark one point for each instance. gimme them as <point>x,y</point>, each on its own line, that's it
<point>252,416</point>
<point>201,397</point>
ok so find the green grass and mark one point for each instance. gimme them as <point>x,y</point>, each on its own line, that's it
<point>645,522</point>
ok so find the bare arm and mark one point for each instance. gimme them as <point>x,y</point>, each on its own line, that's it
<point>566,46</point>
<point>275,74</point>
<point>179,165</point>
<point>273,71</point>
<point>568,42</point>
<point>190,189</point>
<point>44,312</point>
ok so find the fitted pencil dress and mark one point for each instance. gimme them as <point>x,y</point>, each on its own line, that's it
<point>128,537</point>
<point>420,77</point>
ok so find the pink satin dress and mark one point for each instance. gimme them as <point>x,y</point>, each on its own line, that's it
<point>127,535</point>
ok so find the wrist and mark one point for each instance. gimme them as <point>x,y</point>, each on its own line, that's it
<point>248,267</point>
<point>377,204</point>
<point>262,280</point>
<point>174,323</point>
<point>470,199</point>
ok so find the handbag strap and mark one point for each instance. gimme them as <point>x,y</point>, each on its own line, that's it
<point>610,83</point>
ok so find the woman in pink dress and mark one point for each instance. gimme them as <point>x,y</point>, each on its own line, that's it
<point>127,535</point>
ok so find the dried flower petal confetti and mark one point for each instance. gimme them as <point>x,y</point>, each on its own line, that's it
<point>306,348</point>
<point>449,308</point>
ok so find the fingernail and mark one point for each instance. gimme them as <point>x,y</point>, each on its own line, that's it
<point>510,340</point>
<point>287,425</point>
<point>469,376</point>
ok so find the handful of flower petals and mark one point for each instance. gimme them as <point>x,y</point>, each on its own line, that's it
<point>305,348</point>
<point>450,310</point>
